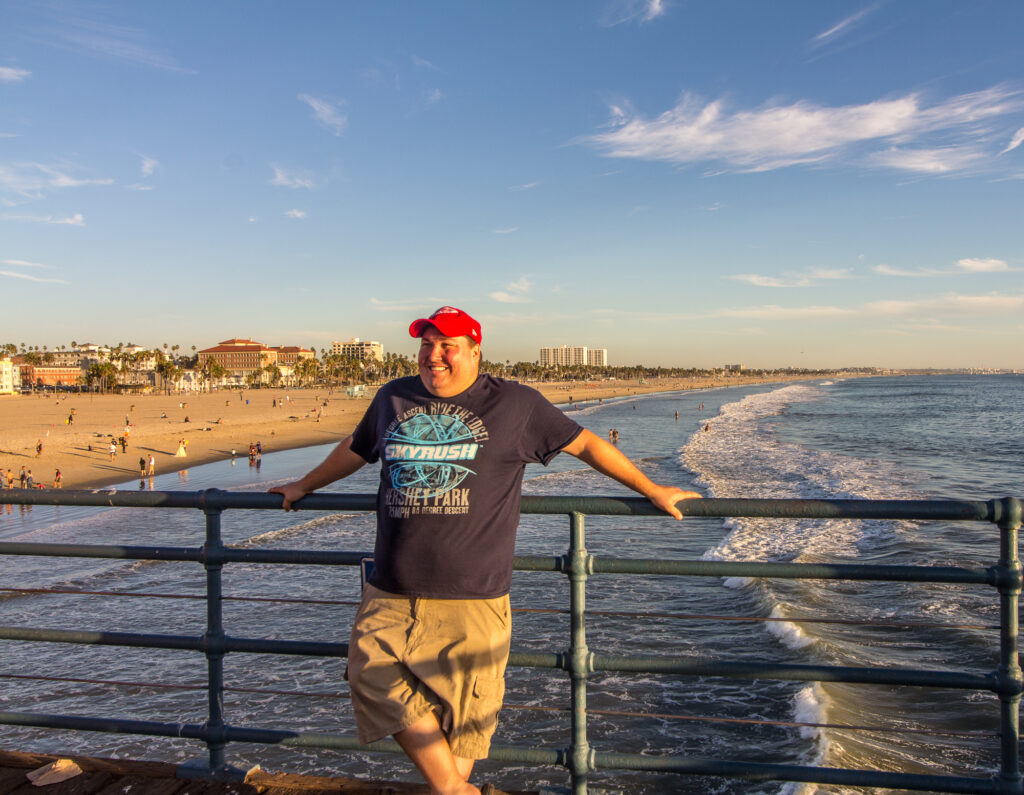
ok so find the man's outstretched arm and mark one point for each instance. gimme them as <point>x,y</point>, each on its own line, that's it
<point>609,460</point>
<point>341,463</point>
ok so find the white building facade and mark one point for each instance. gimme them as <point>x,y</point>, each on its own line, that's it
<point>573,355</point>
<point>359,349</point>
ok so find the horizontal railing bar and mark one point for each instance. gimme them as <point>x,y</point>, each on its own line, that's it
<point>793,672</point>
<point>819,673</point>
<point>699,568</point>
<point>541,610</point>
<point>760,771</point>
<point>617,713</point>
<point>745,770</point>
<point>808,571</point>
<point>951,510</point>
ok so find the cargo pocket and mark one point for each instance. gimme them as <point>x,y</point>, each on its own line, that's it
<point>488,692</point>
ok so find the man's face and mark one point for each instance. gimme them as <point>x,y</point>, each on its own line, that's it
<point>448,365</point>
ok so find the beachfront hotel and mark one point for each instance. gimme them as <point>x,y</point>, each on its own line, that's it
<point>240,357</point>
<point>567,356</point>
<point>359,349</point>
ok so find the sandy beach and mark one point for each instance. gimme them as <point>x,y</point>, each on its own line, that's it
<point>219,424</point>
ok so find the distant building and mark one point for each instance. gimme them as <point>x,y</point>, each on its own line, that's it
<point>43,375</point>
<point>359,349</point>
<point>10,377</point>
<point>570,355</point>
<point>734,368</point>
<point>241,357</point>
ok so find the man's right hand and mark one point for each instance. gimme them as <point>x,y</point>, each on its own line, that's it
<point>292,492</point>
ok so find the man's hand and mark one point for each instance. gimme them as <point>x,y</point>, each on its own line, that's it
<point>666,497</point>
<point>292,492</point>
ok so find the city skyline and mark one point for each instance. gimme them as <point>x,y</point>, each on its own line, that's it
<point>792,184</point>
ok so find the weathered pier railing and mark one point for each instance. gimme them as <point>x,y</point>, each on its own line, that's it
<point>578,660</point>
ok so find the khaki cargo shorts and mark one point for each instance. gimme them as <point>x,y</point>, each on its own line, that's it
<point>410,655</point>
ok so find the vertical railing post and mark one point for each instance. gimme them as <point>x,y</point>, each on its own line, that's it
<point>213,559</point>
<point>580,662</point>
<point>1009,667</point>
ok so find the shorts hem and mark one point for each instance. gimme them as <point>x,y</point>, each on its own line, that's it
<point>367,737</point>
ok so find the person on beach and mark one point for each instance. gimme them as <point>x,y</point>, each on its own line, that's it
<point>431,638</point>
<point>113,449</point>
<point>58,479</point>
<point>152,465</point>
<point>142,467</point>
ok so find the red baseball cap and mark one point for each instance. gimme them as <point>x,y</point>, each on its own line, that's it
<point>449,321</point>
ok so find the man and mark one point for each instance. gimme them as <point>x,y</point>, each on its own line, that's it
<point>430,641</point>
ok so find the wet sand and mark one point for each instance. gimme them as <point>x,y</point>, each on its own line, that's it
<point>218,423</point>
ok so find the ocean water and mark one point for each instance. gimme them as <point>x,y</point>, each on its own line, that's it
<point>879,438</point>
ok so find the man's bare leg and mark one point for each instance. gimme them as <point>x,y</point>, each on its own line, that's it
<point>425,744</point>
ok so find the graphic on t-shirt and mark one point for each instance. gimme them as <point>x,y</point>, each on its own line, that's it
<point>429,451</point>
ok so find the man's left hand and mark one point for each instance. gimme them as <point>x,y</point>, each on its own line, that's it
<point>666,497</point>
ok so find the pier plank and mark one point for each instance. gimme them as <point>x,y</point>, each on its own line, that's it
<point>130,777</point>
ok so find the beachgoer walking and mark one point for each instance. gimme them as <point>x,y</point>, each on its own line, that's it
<point>113,449</point>
<point>445,537</point>
<point>39,448</point>
<point>29,482</point>
<point>58,480</point>
<point>152,465</point>
<point>142,467</point>
<point>182,452</point>
<point>22,476</point>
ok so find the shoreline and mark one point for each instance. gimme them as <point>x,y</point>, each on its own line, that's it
<point>224,421</point>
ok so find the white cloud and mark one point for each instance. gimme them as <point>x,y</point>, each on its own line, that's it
<point>148,166</point>
<point>113,40</point>
<point>983,265</point>
<point>20,263</point>
<point>423,62</point>
<point>963,266</point>
<point>777,135</point>
<point>774,312</point>
<point>75,220</point>
<point>296,213</point>
<point>25,276</point>
<point>525,186</point>
<point>33,180</point>
<point>950,304</point>
<point>790,279</point>
<point>433,95</point>
<point>1017,140</point>
<point>8,74</point>
<point>617,12</point>
<point>327,113</point>
<point>288,179</point>
<point>514,293</point>
<point>842,27</point>
<point>507,231</point>
<point>137,186</point>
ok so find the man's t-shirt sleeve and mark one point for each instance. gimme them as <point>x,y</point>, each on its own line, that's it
<point>364,437</point>
<point>551,430</point>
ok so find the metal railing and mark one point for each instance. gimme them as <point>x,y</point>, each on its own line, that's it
<point>578,661</point>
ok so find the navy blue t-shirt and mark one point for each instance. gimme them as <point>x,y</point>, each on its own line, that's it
<point>451,479</point>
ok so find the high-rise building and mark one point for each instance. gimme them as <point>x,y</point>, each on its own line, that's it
<point>569,355</point>
<point>360,349</point>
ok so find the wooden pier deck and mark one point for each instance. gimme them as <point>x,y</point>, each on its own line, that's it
<point>120,777</point>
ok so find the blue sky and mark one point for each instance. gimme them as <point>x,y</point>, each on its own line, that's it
<point>683,183</point>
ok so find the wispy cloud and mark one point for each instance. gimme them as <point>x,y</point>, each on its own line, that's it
<point>964,266</point>
<point>426,305</point>
<point>296,213</point>
<point>525,186</point>
<point>843,27</point>
<point>75,220</point>
<point>288,179</point>
<point>617,12</point>
<point>1017,140</point>
<point>951,304</point>
<point>423,63</point>
<point>902,133</point>
<point>514,293</point>
<point>506,231</point>
<point>30,278</point>
<point>805,279</point>
<point>9,74</point>
<point>34,180</point>
<point>432,95</point>
<point>328,114</point>
<point>21,263</point>
<point>148,165</point>
<point>97,37</point>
